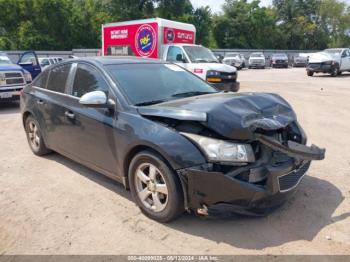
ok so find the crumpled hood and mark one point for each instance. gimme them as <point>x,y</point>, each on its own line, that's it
<point>235,116</point>
<point>322,57</point>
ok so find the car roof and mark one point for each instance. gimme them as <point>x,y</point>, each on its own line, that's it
<point>113,60</point>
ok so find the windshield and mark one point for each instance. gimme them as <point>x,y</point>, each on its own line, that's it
<point>4,59</point>
<point>256,55</point>
<point>200,54</point>
<point>143,87</point>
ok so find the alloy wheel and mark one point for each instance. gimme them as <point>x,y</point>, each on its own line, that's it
<point>34,136</point>
<point>151,187</point>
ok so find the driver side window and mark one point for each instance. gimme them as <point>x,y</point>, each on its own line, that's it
<point>173,51</point>
<point>88,79</point>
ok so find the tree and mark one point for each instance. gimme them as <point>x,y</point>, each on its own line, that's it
<point>180,10</point>
<point>201,19</point>
<point>246,25</point>
<point>335,20</point>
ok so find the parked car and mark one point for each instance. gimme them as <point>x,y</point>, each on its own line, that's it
<point>243,59</point>
<point>257,60</point>
<point>13,78</point>
<point>47,61</point>
<point>279,60</point>
<point>219,57</point>
<point>173,140</point>
<point>234,59</point>
<point>300,60</point>
<point>332,61</point>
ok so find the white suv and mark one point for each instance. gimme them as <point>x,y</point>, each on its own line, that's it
<point>257,60</point>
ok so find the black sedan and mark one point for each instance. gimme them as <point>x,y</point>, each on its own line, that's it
<point>279,60</point>
<point>172,139</point>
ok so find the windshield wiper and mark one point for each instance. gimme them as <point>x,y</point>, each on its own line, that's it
<point>191,93</point>
<point>148,103</point>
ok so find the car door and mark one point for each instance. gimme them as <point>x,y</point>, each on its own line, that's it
<point>29,61</point>
<point>90,130</point>
<point>51,102</point>
<point>345,60</point>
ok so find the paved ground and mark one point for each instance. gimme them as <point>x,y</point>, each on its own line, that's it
<point>52,205</point>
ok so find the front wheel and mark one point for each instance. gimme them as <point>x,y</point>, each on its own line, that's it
<point>335,71</point>
<point>155,187</point>
<point>310,73</point>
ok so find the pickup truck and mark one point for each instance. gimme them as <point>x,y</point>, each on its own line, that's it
<point>13,78</point>
<point>333,61</point>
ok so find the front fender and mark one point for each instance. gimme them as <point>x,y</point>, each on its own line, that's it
<point>135,131</point>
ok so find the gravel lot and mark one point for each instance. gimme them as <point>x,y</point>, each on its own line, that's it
<point>53,205</point>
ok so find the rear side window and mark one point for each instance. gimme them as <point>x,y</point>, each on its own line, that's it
<point>58,78</point>
<point>41,80</point>
<point>88,79</point>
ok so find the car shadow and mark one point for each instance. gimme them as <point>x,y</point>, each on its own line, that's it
<point>90,174</point>
<point>343,75</point>
<point>301,218</point>
<point>9,108</point>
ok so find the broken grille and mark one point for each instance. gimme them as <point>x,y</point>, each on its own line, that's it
<point>291,180</point>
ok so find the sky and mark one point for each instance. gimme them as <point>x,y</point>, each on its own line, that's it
<point>215,5</point>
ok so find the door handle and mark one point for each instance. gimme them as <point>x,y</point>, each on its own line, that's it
<point>40,102</point>
<point>69,114</point>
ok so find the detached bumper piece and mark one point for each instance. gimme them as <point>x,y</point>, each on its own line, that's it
<point>295,150</point>
<point>254,189</point>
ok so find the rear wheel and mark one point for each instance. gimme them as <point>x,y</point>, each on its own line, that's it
<point>34,137</point>
<point>155,187</point>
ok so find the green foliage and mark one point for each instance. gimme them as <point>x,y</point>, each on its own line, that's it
<point>68,24</point>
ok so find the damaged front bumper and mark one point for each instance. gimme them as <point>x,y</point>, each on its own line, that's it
<point>212,192</point>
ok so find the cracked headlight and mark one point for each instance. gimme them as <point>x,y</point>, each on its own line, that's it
<point>222,151</point>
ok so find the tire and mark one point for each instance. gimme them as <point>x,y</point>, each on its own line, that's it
<point>310,73</point>
<point>162,203</point>
<point>335,71</point>
<point>34,137</point>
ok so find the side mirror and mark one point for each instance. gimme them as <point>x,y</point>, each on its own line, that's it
<point>180,58</point>
<point>96,99</point>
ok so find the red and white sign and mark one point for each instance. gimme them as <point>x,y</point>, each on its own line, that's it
<point>177,36</point>
<point>133,39</point>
